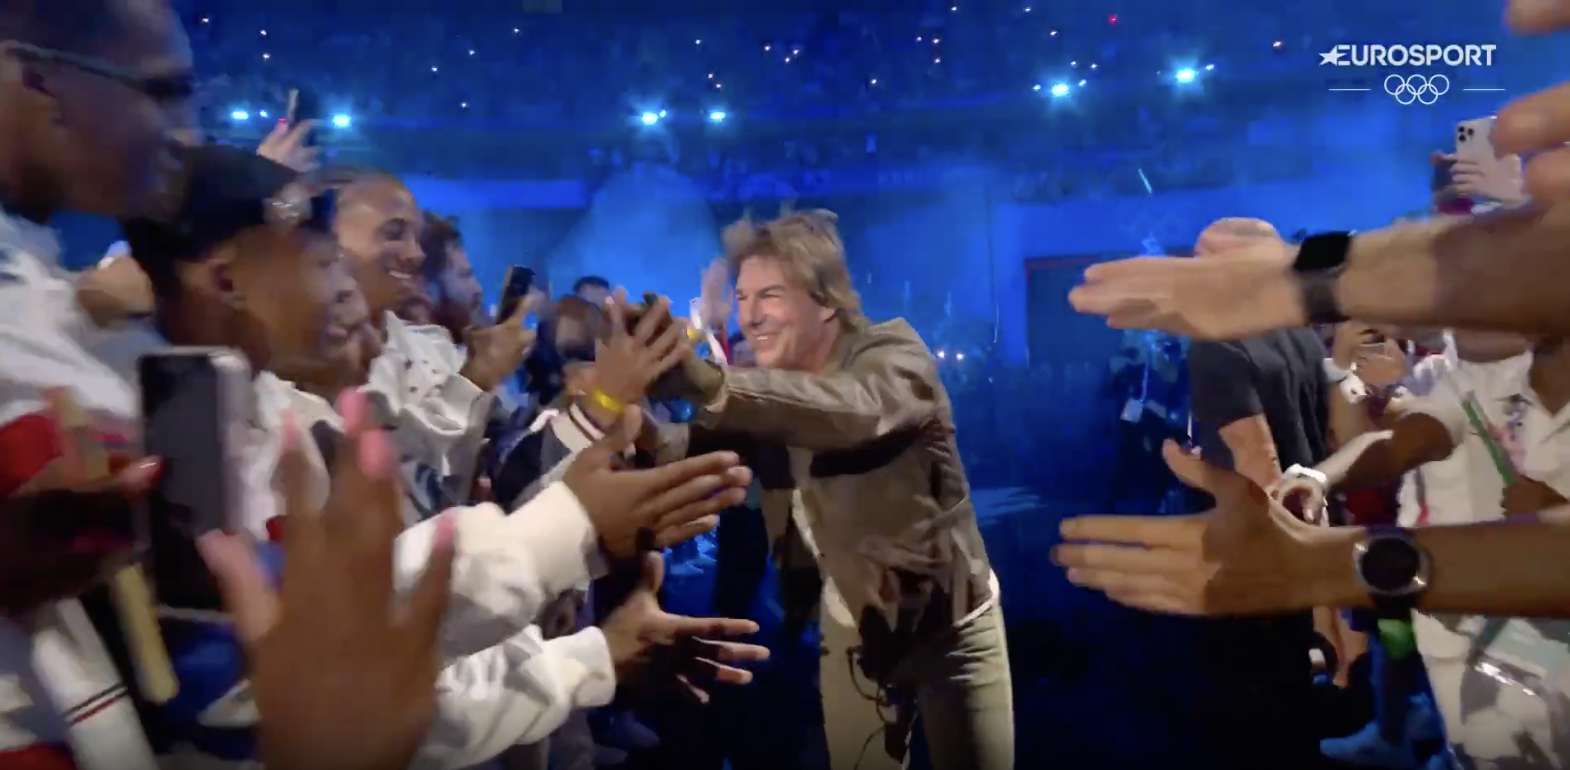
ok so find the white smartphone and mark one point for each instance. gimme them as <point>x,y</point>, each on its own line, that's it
<point>195,403</point>
<point>1475,139</point>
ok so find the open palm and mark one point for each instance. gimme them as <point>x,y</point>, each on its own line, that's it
<point>1246,292</point>
<point>1245,556</point>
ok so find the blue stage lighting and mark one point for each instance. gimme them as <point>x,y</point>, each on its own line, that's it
<point>1185,76</point>
<point>717,116</point>
<point>341,121</point>
<point>1060,89</point>
<point>650,118</point>
<point>239,116</point>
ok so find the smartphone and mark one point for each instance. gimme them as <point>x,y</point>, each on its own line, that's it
<point>1475,139</point>
<point>194,405</point>
<point>304,105</point>
<point>519,281</point>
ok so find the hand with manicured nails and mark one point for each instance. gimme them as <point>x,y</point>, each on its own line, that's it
<point>68,527</point>
<point>344,675</point>
<point>650,646</point>
<point>633,510</point>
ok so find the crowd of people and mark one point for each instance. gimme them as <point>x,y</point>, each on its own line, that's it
<point>859,89</point>
<point>433,536</point>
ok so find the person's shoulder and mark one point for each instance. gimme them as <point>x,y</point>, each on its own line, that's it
<point>892,337</point>
<point>1205,353</point>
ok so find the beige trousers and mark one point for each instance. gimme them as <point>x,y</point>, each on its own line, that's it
<point>962,690</point>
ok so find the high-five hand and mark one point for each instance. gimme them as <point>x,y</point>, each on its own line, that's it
<point>1539,123</point>
<point>651,646</point>
<point>497,351</point>
<point>333,654</point>
<point>637,509</point>
<point>631,360</point>
<point>1248,555</point>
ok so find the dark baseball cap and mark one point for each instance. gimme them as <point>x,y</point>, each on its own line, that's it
<point>224,191</point>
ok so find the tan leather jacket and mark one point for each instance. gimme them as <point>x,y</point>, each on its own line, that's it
<point>868,448</point>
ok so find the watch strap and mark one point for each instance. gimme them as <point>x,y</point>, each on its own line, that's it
<point>1320,260</point>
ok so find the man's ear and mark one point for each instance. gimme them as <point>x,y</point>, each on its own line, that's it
<point>34,87</point>
<point>220,274</point>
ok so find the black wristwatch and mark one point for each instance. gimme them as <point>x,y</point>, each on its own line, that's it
<point>1394,570</point>
<point>1320,259</point>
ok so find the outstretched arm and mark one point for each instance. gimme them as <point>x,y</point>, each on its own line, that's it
<point>888,384</point>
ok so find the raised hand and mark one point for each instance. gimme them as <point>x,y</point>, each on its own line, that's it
<point>1382,365</point>
<point>635,510</point>
<point>650,646</point>
<point>1539,125</point>
<point>496,351</point>
<point>1248,555</point>
<point>716,299</point>
<point>344,676</point>
<point>286,146</point>
<point>632,359</point>
<point>1248,292</point>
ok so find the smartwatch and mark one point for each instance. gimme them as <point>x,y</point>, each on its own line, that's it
<point>1320,260</point>
<point>1394,570</point>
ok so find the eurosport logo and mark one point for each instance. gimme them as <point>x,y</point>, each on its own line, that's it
<point>1422,89</point>
<point>1413,55</point>
<point>1407,88</point>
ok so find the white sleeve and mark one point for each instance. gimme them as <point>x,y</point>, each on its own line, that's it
<point>519,691</point>
<point>508,566</point>
<point>438,416</point>
<point>40,344</point>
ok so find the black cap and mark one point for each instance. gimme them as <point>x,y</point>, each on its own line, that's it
<point>226,191</point>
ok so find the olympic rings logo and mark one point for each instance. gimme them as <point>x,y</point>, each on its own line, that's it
<point>1417,88</point>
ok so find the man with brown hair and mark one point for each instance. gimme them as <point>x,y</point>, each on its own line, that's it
<point>851,434</point>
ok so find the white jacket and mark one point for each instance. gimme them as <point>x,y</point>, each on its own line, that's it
<point>57,685</point>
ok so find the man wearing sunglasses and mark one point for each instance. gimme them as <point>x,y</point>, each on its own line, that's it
<point>89,93</point>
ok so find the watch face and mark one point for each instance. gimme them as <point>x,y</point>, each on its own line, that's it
<point>1391,565</point>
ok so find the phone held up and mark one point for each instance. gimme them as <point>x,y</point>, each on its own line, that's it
<point>1475,139</point>
<point>194,407</point>
<point>519,281</point>
<point>304,104</point>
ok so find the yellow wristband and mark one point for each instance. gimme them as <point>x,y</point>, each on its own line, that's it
<point>694,334</point>
<point>607,403</point>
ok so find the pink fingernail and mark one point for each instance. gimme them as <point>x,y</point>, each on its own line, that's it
<point>446,531</point>
<point>376,455</point>
<point>143,473</point>
<point>354,409</point>
<point>290,430</point>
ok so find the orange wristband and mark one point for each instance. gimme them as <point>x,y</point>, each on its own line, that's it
<point>607,403</point>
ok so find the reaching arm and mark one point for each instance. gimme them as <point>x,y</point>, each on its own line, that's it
<point>508,567</point>
<point>438,416</point>
<point>1510,568</point>
<point>517,692</point>
<point>1375,458</point>
<point>1505,271</point>
<point>1225,396</point>
<point>888,384</point>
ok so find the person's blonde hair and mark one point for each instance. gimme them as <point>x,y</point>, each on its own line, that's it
<point>807,246</point>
